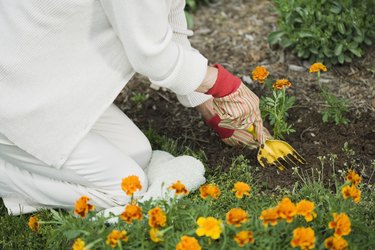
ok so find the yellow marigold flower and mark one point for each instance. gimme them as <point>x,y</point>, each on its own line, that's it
<point>351,192</point>
<point>78,244</point>
<point>280,84</point>
<point>132,212</point>
<point>82,207</point>
<point>156,217</point>
<point>241,189</point>
<point>341,224</point>
<point>179,188</point>
<point>304,238</point>
<point>188,243</point>
<point>155,235</point>
<point>306,208</point>
<point>209,227</point>
<point>353,177</point>
<point>34,223</point>
<point>317,67</point>
<point>286,209</point>
<point>209,190</point>
<point>336,243</point>
<point>244,237</point>
<point>115,236</point>
<point>236,216</point>
<point>260,74</point>
<point>131,184</point>
<point>269,216</point>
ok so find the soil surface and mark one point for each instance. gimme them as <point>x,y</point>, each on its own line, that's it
<point>234,33</point>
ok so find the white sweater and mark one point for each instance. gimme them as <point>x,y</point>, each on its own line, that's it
<point>62,63</point>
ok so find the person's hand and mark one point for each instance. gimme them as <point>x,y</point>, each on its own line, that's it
<point>236,105</point>
<point>231,137</point>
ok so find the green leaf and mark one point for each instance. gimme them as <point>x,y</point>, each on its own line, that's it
<point>336,8</point>
<point>314,50</point>
<point>338,49</point>
<point>356,51</point>
<point>285,42</point>
<point>341,58</point>
<point>341,28</point>
<point>368,41</point>
<point>72,234</point>
<point>189,20</point>
<point>304,34</point>
<point>274,37</point>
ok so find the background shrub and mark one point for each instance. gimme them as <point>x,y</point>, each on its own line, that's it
<point>329,31</point>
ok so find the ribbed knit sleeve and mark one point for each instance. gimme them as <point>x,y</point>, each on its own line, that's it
<point>146,34</point>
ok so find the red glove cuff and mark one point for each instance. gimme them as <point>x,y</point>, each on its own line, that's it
<point>222,132</point>
<point>225,84</point>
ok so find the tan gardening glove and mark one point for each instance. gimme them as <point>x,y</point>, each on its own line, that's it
<point>237,109</point>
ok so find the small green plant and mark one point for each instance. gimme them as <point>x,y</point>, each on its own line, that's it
<point>331,31</point>
<point>276,109</point>
<point>139,98</point>
<point>335,108</point>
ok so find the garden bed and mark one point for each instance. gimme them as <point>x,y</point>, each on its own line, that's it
<point>234,33</point>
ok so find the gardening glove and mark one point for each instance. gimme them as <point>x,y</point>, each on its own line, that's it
<point>236,137</point>
<point>237,107</point>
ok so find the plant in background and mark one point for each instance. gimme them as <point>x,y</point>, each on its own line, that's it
<point>335,107</point>
<point>330,31</point>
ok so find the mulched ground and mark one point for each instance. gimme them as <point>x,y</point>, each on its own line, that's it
<point>234,33</point>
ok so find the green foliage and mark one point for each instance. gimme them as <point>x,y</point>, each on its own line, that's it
<point>330,31</point>
<point>335,109</point>
<point>139,98</point>
<point>275,108</point>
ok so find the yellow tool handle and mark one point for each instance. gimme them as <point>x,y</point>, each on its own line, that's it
<point>251,130</point>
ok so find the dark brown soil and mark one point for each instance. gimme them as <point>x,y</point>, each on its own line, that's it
<point>234,33</point>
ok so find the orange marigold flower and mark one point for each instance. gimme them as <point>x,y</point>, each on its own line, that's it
<point>188,243</point>
<point>341,224</point>
<point>82,207</point>
<point>236,216</point>
<point>155,235</point>
<point>260,74</point>
<point>132,212</point>
<point>317,67</point>
<point>306,208</point>
<point>244,237</point>
<point>209,190</point>
<point>34,223</point>
<point>241,189</point>
<point>115,237</point>
<point>303,237</point>
<point>269,216</point>
<point>131,184</point>
<point>209,227</point>
<point>156,217</point>
<point>336,243</point>
<point>179,188</point>
<point>353,177</point>
<point>280,84</point>
<point>286,209</point>
<point>78,244</point>
<point>351,192</point>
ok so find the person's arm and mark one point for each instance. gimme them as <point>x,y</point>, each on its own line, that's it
<point>145,32</point>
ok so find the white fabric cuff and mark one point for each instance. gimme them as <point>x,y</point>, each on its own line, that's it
<point>194,99</point>
<point>189,72</point>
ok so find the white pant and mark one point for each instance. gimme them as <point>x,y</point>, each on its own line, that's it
<point>113,149</point>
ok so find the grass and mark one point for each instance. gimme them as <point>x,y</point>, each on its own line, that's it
<point>182,214</point>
